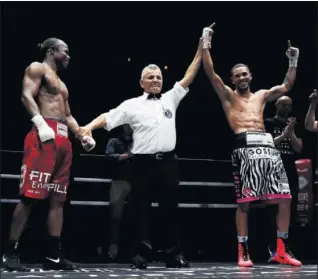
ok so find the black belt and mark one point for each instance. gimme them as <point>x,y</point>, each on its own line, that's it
<point>157,156</point>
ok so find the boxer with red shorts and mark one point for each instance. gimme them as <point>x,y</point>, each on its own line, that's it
<point>46,167</point>
<point>258,169</point>
<point>47,155</point>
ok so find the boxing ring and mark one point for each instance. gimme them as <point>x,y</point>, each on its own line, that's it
<point>198,270</point>
<point>207,196</point>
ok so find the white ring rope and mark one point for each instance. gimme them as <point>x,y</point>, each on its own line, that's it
<point>181,205</point>
<point>101,155</point>
<point>154,204</point>
<point>107,180</point>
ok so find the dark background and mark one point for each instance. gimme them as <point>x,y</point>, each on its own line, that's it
<point>101,37</point>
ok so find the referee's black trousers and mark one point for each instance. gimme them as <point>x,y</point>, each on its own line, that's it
<point>155,174</point>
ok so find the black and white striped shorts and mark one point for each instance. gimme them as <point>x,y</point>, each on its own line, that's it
<point>258,169</point>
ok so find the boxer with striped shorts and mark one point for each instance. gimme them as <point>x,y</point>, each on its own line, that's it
<point>258,168</point>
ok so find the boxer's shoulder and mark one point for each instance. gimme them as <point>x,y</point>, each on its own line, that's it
<point>35,69</point>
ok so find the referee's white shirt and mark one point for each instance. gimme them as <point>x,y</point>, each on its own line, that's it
<point>153,120</point>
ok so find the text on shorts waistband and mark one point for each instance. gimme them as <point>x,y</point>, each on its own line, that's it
<point>257,138</point>
<point>59,126</point>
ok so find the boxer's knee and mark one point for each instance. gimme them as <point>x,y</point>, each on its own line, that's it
<point>243,207</point>
<point>284,205</point>
<point>285,202</point>
<point>56,204</point>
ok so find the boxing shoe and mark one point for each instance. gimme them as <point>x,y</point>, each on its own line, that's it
<point>139,262</point>
<point>11,262</point>
<point>143,252</point>
<point>243,255</point>
<point>177,261</point>
<point>271,255</point>
<point>59,262</point>
<point>284,255</point>
<point>56,260</point>
<point>175,258</point>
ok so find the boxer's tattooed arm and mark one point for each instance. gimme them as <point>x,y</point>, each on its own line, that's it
<point>31,84</point>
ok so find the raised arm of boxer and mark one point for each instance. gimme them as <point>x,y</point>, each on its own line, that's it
<point>277,91</point>
<point>224,92</point>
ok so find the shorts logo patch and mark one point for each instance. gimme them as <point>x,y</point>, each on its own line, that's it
<point>256,153</point>
<point>62,130</point>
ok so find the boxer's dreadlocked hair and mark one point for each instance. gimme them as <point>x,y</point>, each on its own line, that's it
<point>238,66</point>
<point>47,44</point>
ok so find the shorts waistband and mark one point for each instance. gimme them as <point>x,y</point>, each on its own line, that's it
<point>254,139</point>
<point>157,156</point>
<point>58,125</point>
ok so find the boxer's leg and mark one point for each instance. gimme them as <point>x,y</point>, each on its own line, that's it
<point>11,260</point>
<point>249,174</point>
<point>279,192</point>
<point>20,216</point>
<point>247,188</point>
<point>283,216</point>
<point>55,258</point>
<point>55,220</point>
<point>59,187</point>
<point>271,228</point>
<point>241,219</point>
<point>242,234</point>
<point>37,166</point>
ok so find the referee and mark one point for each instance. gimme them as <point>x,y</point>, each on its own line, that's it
<point>154,164</point>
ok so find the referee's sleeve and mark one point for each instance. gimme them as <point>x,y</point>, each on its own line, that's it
<point>178,92</point>
<point>116,117</point>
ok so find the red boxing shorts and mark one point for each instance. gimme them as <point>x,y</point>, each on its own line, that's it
<point>258,169</point>
<point>46,166</point>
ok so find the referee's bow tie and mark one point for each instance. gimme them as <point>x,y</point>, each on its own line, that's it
<point>154,96</point>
